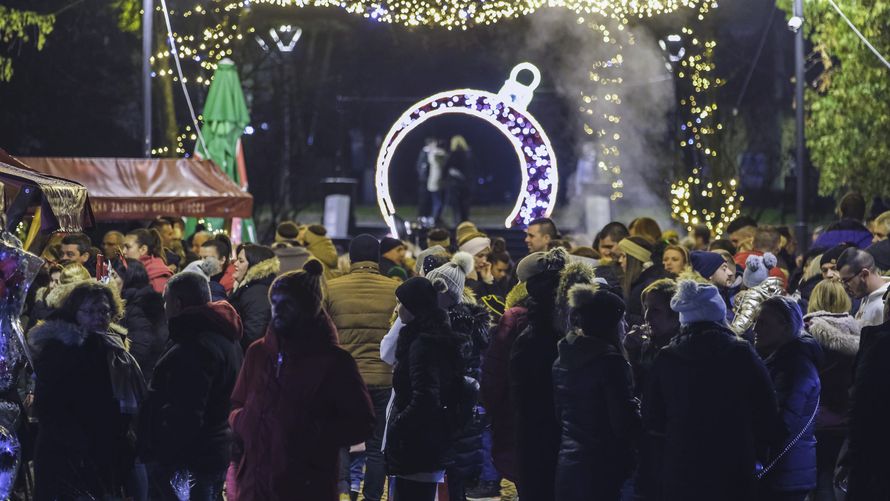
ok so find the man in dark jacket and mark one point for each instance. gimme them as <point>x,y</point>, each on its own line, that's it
<point>849,228</point>
<point>866,459</point>
<point>531,378</point>
<point>184,423</point>
<point>709,407</point>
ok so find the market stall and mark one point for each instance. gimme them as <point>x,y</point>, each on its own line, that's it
<point>144,188</point>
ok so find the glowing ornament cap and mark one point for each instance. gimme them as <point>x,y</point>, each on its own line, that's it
<point>517,94</point>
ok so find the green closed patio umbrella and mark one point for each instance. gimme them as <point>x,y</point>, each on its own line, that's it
<point>225,117</point>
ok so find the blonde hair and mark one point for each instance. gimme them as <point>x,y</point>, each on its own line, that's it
<point>813,269</point>
<point>882,222</point>
<point>829,295</point>
<point>459,143</point>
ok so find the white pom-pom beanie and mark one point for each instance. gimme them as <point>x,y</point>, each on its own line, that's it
<point>697,302</point>
<point>757,269</point>
<point>454,274</point>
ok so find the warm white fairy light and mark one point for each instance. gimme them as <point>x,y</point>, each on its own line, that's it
<point>714,203</point>
<point>601,107</point>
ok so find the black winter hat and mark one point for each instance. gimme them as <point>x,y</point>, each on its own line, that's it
<point>881,252</point>
<point>834,253</point>
<point>388,244</point>
<point>596,306</point>
<point>287,230</point>
<point>418,295</point>
<point>364,248</point>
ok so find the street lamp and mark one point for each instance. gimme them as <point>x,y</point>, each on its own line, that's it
<point>673,48</point>
<point>147,13</point>
<point>795,24</point>
<point>284,38</point>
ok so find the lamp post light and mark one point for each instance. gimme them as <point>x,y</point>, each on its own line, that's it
<point>795,24</point>
<point>147,18</point>
<point>284,38</point>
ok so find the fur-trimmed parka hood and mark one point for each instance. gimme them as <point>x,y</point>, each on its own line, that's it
<point>517,296</point>
<point>65,332</point>
<point>265,269</point>
<point>834,331</point>
<point>55,330</point>
<point>575,272</point>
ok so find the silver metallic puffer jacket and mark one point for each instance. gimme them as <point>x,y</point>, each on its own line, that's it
<point>748,301</point>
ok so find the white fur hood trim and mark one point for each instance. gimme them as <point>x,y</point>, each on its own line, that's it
<point>834,331</point>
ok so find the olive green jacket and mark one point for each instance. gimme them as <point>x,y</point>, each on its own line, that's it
<point>361,304</point>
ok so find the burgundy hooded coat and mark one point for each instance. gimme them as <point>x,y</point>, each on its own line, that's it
<point>298,400</point>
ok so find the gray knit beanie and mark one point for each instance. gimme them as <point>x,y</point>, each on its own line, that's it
<point>454,274</point>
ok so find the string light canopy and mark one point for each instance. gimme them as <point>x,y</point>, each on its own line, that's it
<point>462,14</point>
<point>506,110</point>
<point>221,30</point>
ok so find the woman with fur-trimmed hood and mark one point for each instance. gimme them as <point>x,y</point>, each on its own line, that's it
<point>89,388</point>
<point>255,269</point>
<point>830,324</point>
<point>594,397</point>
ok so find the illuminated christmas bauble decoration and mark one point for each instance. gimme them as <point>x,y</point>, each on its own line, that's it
<point>505,110</point>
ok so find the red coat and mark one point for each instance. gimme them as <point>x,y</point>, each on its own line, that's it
<point>495,386</point>
<point>228,278</point>
<point>294,416</point>
<point>158,273</point>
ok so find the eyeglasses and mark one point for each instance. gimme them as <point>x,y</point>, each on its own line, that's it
<point>847,280</point>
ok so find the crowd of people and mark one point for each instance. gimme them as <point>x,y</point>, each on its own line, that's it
<point>643,366</point>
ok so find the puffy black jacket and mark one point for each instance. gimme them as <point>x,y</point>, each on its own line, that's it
<point>184,421</point>
<point>146,326</point>
<point>428,365</point>
<point>531,390</point>
<point>251,300</point>
<point>710,412</point>
<point>82,448</point>
<point>472,323</point>
<point>600,418</point>
<point>793,369</point>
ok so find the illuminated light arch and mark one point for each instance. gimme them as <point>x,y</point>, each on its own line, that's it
<point>506,110</point>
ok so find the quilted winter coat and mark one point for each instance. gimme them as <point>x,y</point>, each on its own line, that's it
<point>361,304</point>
